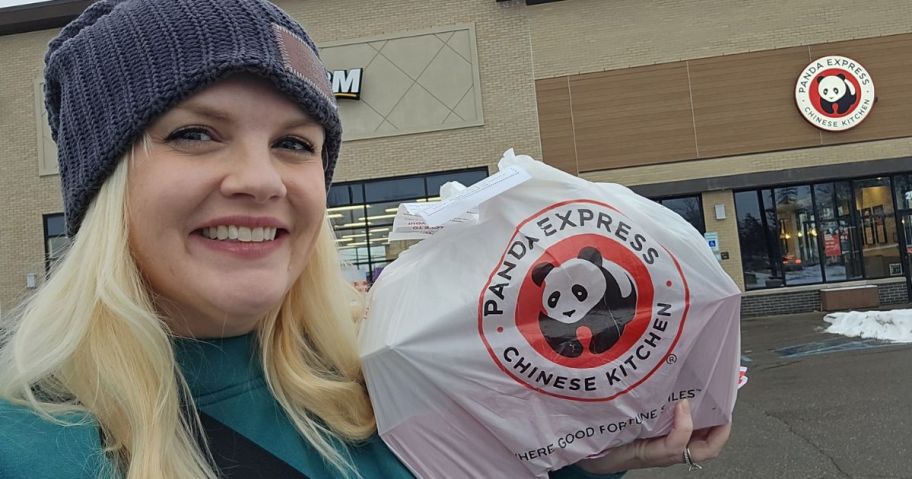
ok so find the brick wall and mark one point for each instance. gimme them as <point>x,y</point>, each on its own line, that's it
<point>507,86</point>
<point>727,229</point>
<point>785,303</point>
<point>24,196</point>
<point>804,301</point>
<point>893,293</point>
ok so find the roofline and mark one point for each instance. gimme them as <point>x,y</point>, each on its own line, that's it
<point>40,16</point>
<point>57,13</point>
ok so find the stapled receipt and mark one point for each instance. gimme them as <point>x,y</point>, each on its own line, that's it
<point>416,221</point>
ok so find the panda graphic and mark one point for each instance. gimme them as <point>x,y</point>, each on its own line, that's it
<point>583,292</point>
<point>835,90</point>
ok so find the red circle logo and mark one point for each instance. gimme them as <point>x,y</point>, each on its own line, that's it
<point>583,304</point>
<point>620,330</point>
<point>834,93</point>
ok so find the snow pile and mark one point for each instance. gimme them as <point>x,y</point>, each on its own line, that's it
<point>893,325</point>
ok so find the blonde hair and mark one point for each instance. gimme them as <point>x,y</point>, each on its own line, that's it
<point>91,341</point>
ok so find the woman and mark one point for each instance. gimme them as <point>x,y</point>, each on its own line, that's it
<point>200,326</point>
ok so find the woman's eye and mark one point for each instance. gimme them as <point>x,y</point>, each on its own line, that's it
<point>190,134</point>
<point>294,144</point>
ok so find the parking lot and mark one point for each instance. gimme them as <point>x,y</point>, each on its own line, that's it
<point>816,406</point>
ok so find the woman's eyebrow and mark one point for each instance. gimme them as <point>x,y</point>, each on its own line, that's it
<point>300,121</point>
<point>219,115</point>
<point>203,110</point>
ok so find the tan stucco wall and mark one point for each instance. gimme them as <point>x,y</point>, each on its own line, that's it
<point>578,36</point>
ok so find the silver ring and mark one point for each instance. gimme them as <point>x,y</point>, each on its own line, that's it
<point>688,459</point>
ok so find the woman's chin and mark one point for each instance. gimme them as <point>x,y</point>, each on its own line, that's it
<point>252,306</point>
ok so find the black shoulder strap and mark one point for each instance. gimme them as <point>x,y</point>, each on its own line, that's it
<point>240,458</point>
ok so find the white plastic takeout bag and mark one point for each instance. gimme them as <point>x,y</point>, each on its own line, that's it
<point>567,320</point>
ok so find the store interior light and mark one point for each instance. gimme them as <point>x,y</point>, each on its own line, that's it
<point>347,208</point>
<point>377,217</point>
<point>344,240</point>
<point>357,235</point>
<point>356,223</point>
<point>379,230</point>
<point>334,215</point>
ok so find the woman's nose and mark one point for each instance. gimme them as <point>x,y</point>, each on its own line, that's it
<point>253,173</point>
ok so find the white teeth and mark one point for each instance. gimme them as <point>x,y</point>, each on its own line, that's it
<point>240,233</point>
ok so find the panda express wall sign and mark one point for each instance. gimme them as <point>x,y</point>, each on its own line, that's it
<point>834,93</point>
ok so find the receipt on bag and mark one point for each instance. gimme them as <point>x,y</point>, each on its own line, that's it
<point>409,225</point>
<point>416,221</point>
<point>439,213</point>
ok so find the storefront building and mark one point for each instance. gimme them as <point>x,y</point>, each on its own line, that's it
<point>693,104</point>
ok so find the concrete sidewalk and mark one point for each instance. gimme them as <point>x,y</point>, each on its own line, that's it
<point>817,406</point>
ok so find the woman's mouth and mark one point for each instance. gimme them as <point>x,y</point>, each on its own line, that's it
<point>242,234</point>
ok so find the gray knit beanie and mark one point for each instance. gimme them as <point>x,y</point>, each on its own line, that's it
<point>122,63</point>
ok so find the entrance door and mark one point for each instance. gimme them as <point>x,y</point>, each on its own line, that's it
<point>905,227</point>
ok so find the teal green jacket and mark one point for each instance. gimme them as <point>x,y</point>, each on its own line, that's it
<point>227,384</point>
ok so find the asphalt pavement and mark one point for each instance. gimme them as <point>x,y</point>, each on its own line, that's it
<point>816,405</point>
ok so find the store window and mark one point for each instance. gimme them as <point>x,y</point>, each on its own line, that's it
<point>880,248</point>
<point>757,227</point>
<point>797,235</point>
<point>837,231</point>
<point>903,190</point>
<point>823,233</point>
<point>689,207</point>
<point>55,239</point>
<point>362,215</point>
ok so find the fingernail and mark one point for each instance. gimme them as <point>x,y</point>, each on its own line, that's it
<point>685,406</point>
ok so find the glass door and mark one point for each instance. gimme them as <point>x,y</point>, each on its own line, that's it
<point>905,223</point>
<point>902,188</point>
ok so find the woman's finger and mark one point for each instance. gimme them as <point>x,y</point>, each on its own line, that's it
<point>682,427</point>
<point>710,447</point>
<point>668,450</point>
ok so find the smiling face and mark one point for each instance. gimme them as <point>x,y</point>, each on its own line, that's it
<point>225,205</point>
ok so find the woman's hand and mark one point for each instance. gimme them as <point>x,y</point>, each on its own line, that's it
<point>704,444</point>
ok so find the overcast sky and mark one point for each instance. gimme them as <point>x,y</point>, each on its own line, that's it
<point>10,3</point>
